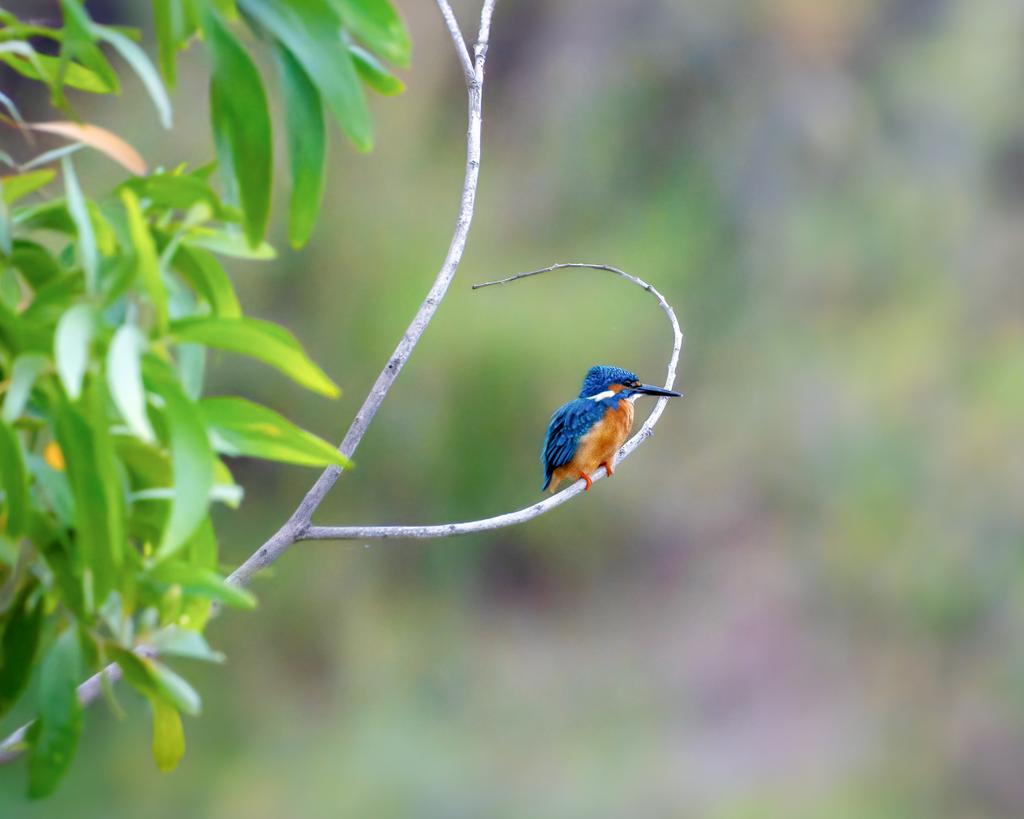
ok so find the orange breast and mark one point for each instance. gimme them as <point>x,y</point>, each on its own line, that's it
<point>604,439</point>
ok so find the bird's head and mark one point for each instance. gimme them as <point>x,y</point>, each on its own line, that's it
<point>604,382</point>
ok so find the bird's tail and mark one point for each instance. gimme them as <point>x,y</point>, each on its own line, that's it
<point>547,481</point>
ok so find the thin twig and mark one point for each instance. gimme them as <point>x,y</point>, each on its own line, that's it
<point>530,512</point>
<point>460,42</point>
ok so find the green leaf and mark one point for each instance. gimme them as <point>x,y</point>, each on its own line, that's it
<point>310,30</point>
<point>19,646</point>
<point>174,688</point>
<point>14,474</point>
<point>124,379</point>
<point>374,74</point>
<point>54,737</point>
<point>143,68</point>
<point>79,213</point>
<point>307,147</point>
<point>72,341</point>
<point>183,642</point>
<point>228,244</point>
<point>191,458</point>
<point>17,187</point>
<point>240,427</point>
<point>167,21</point>
<point>241,124</point>
<point>54,491</point>
<point>377,24</point>
<point>24,372</point>
<point>78,44</point>
<point>75,75</point>
<point>202,582</point>
<point>267,342</point>
<point>146,256</point>
<point>35,262</point>
<point>176,190</point>
<point>202,270</point>
<point>137,669</point>
<point>95,488</point>
<point>168,735</point>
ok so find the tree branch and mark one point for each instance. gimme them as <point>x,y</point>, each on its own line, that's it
<point>295,528</point>
<point>421,532</point>
<point>460,42</point>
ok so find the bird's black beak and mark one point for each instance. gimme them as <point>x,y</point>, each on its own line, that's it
<point>647,389</point>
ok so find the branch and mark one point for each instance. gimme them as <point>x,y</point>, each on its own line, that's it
<point>296,526</point>
<point>530,512</point>
<point>460,43</point>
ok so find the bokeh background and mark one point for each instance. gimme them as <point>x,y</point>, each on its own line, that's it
<point>803,598</point>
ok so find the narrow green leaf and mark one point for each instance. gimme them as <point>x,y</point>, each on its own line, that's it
<point>377,24</point>
<point>310,30</point>
<point>14,475</point>
<point>24,372</point>
<point>191,458</point>
<point>307,147</point>
<point>240,427</point>
<point>19,646</point>
<point>146,256</point>
<point>45,68</point>
<point>72,342</point>
<point>79,213</point>
<point>168,735</point>
<point>138,670</point>
<point>54,737</point>
<point>267,342</point>
<point>78,44</point>
<point>202,270</point>
<point>21,185</point>
<point>176,190</point>
<point>143,68</point>
<point>241,122</point>
<point>228,244</point>
<point>124,379</point>
<point>374,73</point>
<point>97,519</point>
<point>175,689</point>
<point>166,21</point>
<point>183,642</point>
<point>202,582</point>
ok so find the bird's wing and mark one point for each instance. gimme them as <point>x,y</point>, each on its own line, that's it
<point>568,425</point>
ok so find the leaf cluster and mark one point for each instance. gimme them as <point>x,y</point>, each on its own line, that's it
<point>110,454</point>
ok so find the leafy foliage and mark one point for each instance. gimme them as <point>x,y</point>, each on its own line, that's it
<point>110,458</point>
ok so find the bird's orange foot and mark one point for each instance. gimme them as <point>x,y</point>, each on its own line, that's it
<point>586,477</point>
<point>608,465</point>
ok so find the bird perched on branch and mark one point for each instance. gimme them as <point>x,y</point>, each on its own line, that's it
<point>587,432</point>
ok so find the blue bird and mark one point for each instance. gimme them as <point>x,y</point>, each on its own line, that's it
<point>587,432</point>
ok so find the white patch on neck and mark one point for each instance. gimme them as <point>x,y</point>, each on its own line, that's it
<point>633,397</point>
<point>601,396</point>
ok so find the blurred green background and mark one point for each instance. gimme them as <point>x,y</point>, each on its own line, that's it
<point>803,598</point>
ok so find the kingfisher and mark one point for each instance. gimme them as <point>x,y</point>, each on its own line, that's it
<point>587,432</point>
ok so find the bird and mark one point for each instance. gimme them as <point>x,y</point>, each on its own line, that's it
<point>587,432</point>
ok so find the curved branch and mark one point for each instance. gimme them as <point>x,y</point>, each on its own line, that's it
<point>530,512</point>
<point>294,529</point>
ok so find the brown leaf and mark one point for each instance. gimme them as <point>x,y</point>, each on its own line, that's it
<point>95,137</point>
